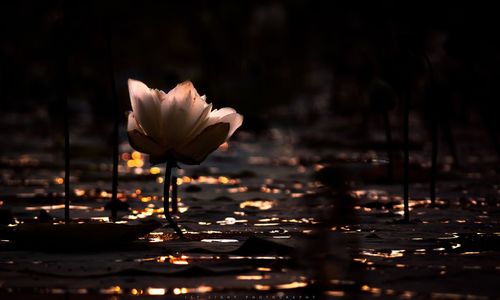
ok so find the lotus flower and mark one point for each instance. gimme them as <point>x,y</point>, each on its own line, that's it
<point>178,125</point>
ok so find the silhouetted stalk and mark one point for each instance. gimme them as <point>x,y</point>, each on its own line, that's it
<point>406,121</point>
<point>434,132</point>
<point>174,195</point>
<point>388,138</point>
<point>66,163</point>
<point>166,189</point>
<point>434,154</point>
<point>63,90</point>
<point>115,108</point>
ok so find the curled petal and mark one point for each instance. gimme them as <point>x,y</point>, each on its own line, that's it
<point>219,113</point>
<point>199,124</point>
<point>182,91</point>
<point>202,145</point>
<point>235,120</point>
<point>145,104</point>
<point>132,123</point>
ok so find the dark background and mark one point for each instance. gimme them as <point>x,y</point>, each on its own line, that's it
<point>254,55</point>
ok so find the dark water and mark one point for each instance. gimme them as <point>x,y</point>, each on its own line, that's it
<point>259,220</point>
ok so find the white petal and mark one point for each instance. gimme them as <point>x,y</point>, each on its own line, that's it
<point>235,120</point>
<point>200,123</point>
<point>184,119</point>
<point>222,112</point>
<point>132,123</point>
<point>145,104</point>
<point>182,89</point>
<point>217,114</point>
<point>178,125</point>
<point>168,110</point>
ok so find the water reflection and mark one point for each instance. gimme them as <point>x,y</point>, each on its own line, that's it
<point>290,215</point>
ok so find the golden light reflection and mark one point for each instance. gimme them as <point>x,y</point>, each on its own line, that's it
<point>240,189</point>
<point>470,253</point>
<point>223,180</point>
<point>261,287</point>
<point>59,180</point>
<point>250,277</point>
<point>335,293</point>
<point>219,241</point>
<point>136,292</point>
<point>303,220</point>
<point>180,260</point>
<point>260,204</point>
<point>135,163</point>
<point>79,192</point>
<point>111,290</point>
<point>136,155</point>
<point>154,170</point>
<point>211,180</point>
<point>230,221</point>
<point>268,190</point>
<point>179,291</point>
<point>200,290</point>
<point>58,206</point>
<point>146,199</point>
<point>390,254</point>
<point>155,291</point>
<point>291,285</point>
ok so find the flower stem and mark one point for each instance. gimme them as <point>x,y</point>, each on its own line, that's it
<point>175,209</point>
<point>166,192</point>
